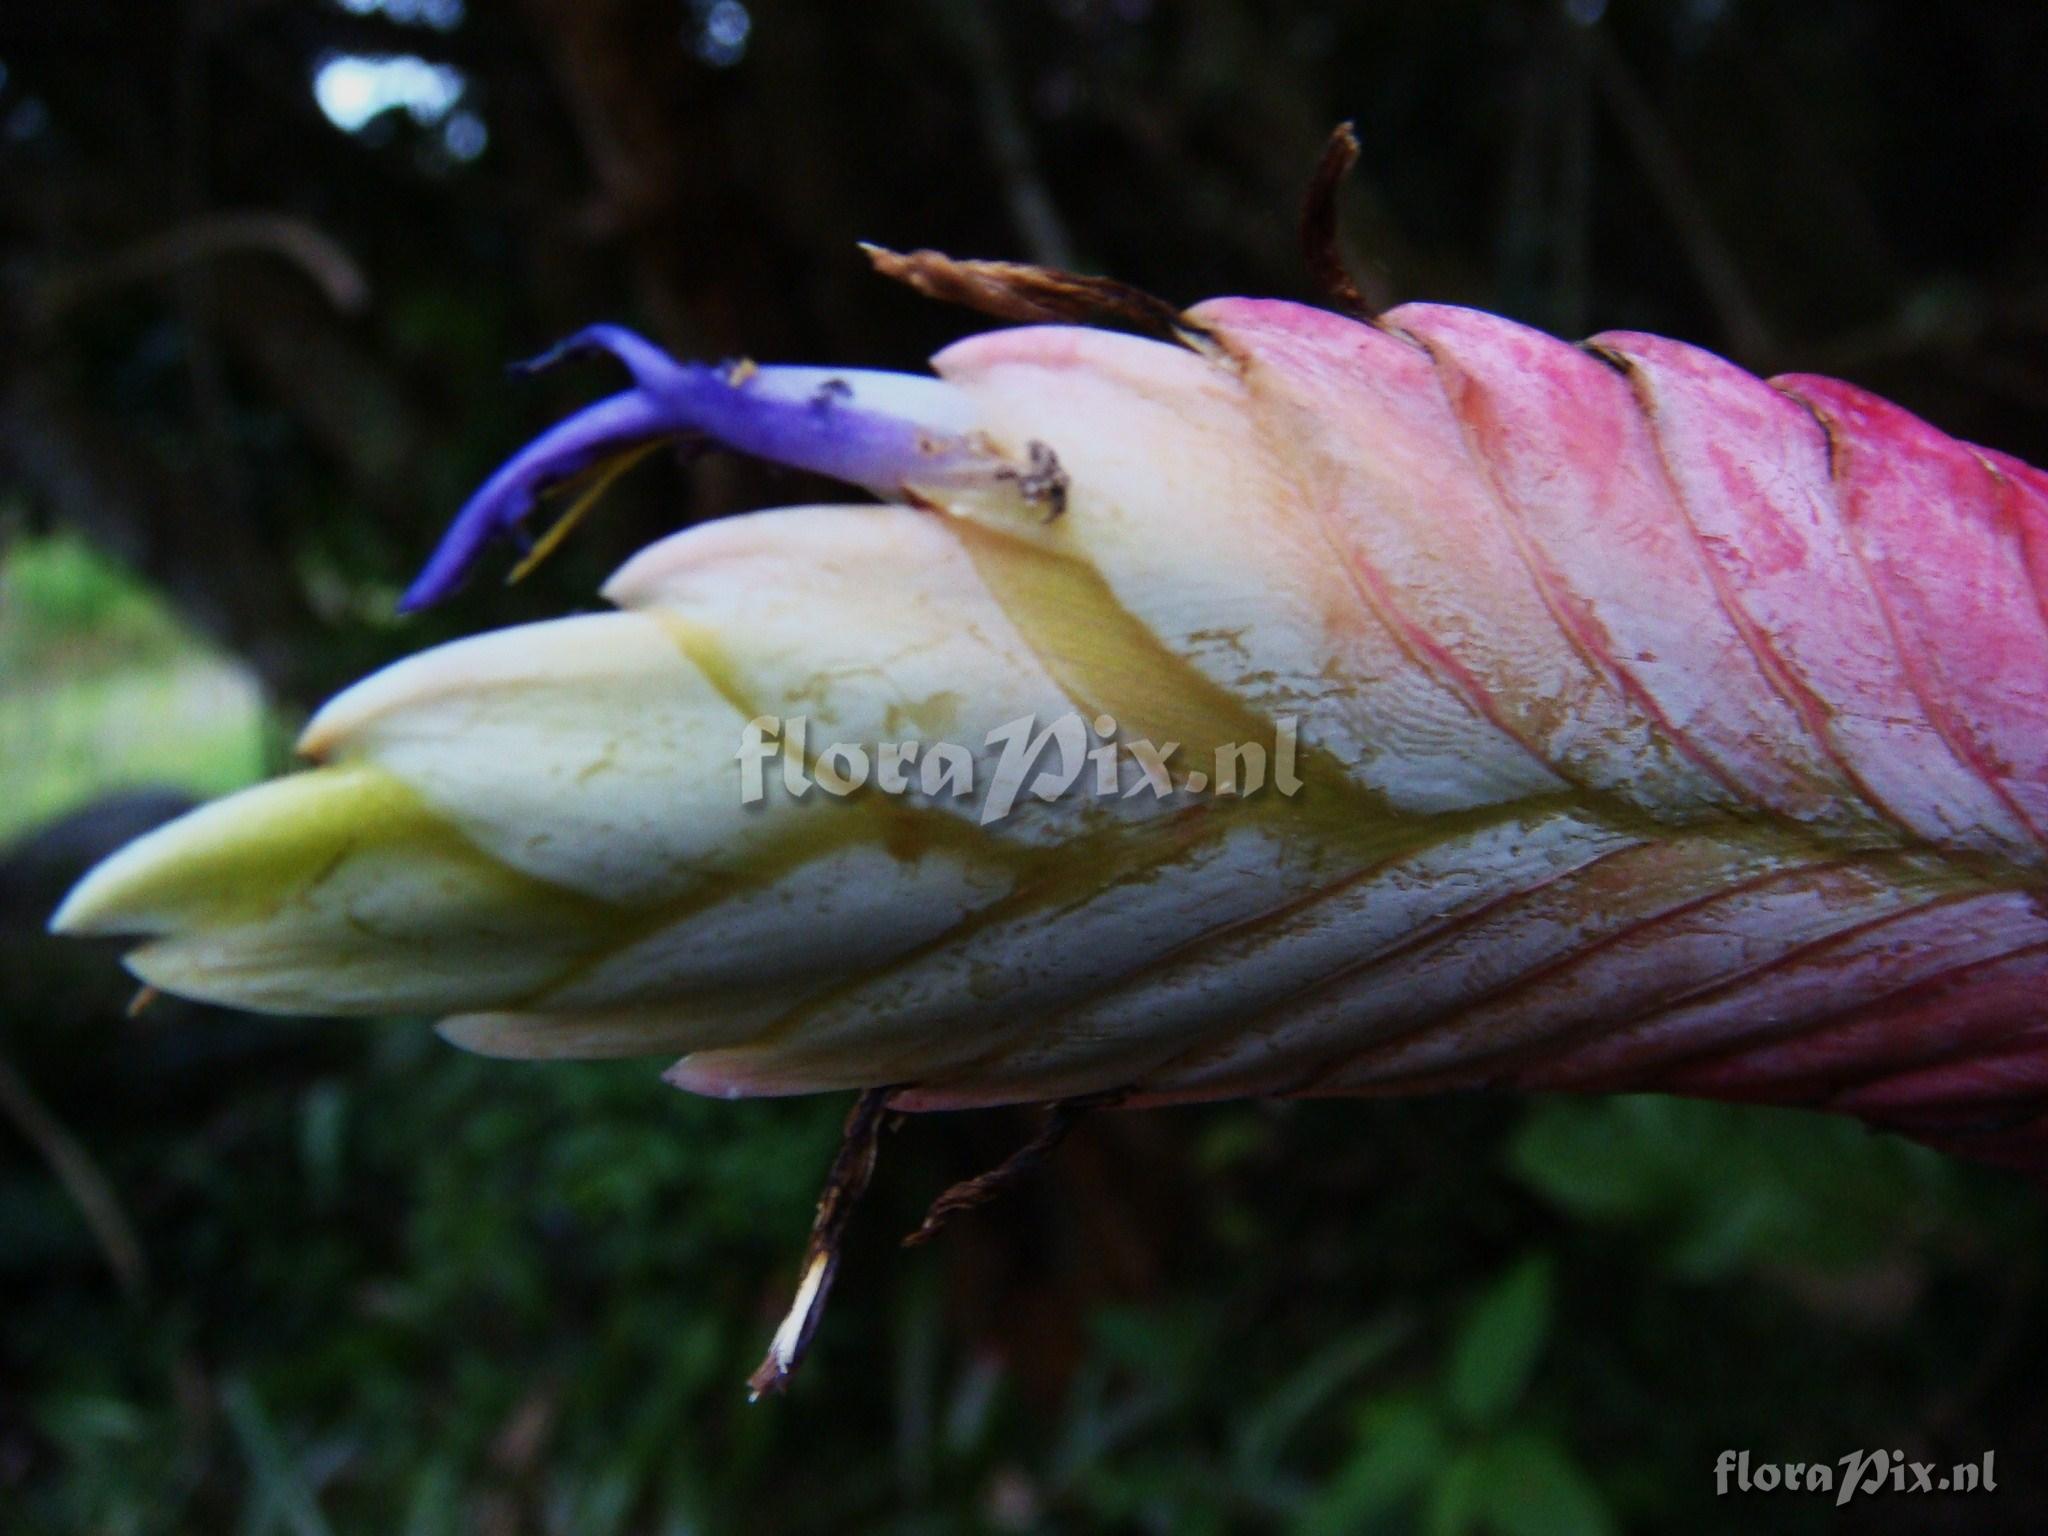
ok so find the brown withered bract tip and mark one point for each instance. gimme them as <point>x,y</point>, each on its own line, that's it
<point>1014,290</point>
<point>1319,250</point>
<point>971,1194</point>
<point>859,1145</point>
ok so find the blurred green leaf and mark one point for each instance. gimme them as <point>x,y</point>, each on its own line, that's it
<point>1532,1487</point>
<point>1265,1430</point>
<point>282,1493</point>
<point>1400,1449</point>
<point>1604,1162</point>
<point>1720,1187</point>
<point>435,1506</point>
<point>1497,1349</point>
<point>1458,1498</point>
<point>1235,1137</point>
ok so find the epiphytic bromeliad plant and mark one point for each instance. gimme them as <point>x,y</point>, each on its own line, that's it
<point>1661,728</point>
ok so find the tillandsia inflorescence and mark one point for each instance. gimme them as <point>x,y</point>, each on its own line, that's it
<point>1659,728</point>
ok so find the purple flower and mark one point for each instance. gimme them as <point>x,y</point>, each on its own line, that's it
<point>886,432</point>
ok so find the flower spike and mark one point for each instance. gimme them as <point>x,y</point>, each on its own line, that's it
<point>1660,728</point>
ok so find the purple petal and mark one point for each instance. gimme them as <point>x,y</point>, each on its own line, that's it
<point>496,508</point>
<point>881,431</point>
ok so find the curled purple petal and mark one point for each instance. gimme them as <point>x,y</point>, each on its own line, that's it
<point>649,366</point>
<point>884,432</point>
<point>496,508</point>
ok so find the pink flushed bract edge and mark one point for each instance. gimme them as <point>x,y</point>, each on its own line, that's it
<point>1824,606</point>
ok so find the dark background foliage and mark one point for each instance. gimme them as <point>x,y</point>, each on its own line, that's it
<point>308,1278</point>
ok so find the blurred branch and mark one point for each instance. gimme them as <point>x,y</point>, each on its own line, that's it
<point>349,400</point>
<point>1749,337</point>
<point>1521,210</point>
<point>293,240</point>
<point>620,94</point>
<point>1025,190</point>
<point>1570,217</point>
<point>82,1179</point>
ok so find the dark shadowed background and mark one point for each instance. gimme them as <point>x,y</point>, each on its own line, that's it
<point>261,265</point>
